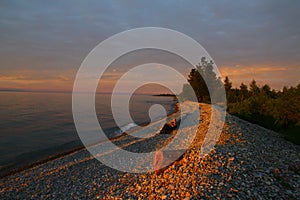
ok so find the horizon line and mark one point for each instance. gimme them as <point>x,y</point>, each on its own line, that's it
<point>69,92</point>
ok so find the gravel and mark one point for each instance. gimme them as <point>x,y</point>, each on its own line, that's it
<point>248,162</point>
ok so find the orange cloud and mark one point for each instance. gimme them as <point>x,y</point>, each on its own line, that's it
<point>237,71</point>
<point>37,80</point>
<point>62,80</point>
<point>275,76</point>
<point>12,77</point>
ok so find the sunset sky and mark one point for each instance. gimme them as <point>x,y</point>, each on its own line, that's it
<point>44,42</point>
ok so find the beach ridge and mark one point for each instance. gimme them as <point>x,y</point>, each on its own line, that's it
<point>248,161</point>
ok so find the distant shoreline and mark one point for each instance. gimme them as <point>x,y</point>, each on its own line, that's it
<point>164,95</point>
<point>70,92</point>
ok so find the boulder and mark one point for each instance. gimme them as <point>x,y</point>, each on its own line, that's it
<point>169,127</point>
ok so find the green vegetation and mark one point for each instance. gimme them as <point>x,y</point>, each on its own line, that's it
<point>276,110</point>
<point>197,84</point>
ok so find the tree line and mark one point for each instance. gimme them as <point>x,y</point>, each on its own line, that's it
<point>278,110</point>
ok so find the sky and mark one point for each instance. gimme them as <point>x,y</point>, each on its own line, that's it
<point>43,43</point>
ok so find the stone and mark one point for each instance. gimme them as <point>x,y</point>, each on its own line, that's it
<point>231,159</point>
<point>169,127</point>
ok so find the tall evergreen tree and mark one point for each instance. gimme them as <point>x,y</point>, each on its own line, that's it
<point>244,91</point>
<point>254,89</point>
<point>203,79</point>
<point>228,89</point>
<point>227,84</point>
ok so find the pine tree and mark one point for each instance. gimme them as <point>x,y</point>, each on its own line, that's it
<point>244,91</point>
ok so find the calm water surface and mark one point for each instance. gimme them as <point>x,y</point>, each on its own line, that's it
<point>33,122</point>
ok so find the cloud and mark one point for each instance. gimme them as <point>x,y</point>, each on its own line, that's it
<point>37,80</point>
<point>246,70</point>
<point>31,78</point>
<point>12,77</point>
<point>40,35</point>
<point>276,76</point>
<point>63,78</point>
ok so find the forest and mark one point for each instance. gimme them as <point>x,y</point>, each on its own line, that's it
<point>278,110</point>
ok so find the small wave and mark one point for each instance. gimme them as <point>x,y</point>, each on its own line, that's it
<point>125,128</point>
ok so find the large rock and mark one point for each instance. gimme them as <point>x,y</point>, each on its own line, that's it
<point>169,127</point>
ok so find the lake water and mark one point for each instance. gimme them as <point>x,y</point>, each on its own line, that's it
<point>34,125</point>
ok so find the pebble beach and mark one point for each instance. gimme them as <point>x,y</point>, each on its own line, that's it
<point>248,162</point>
